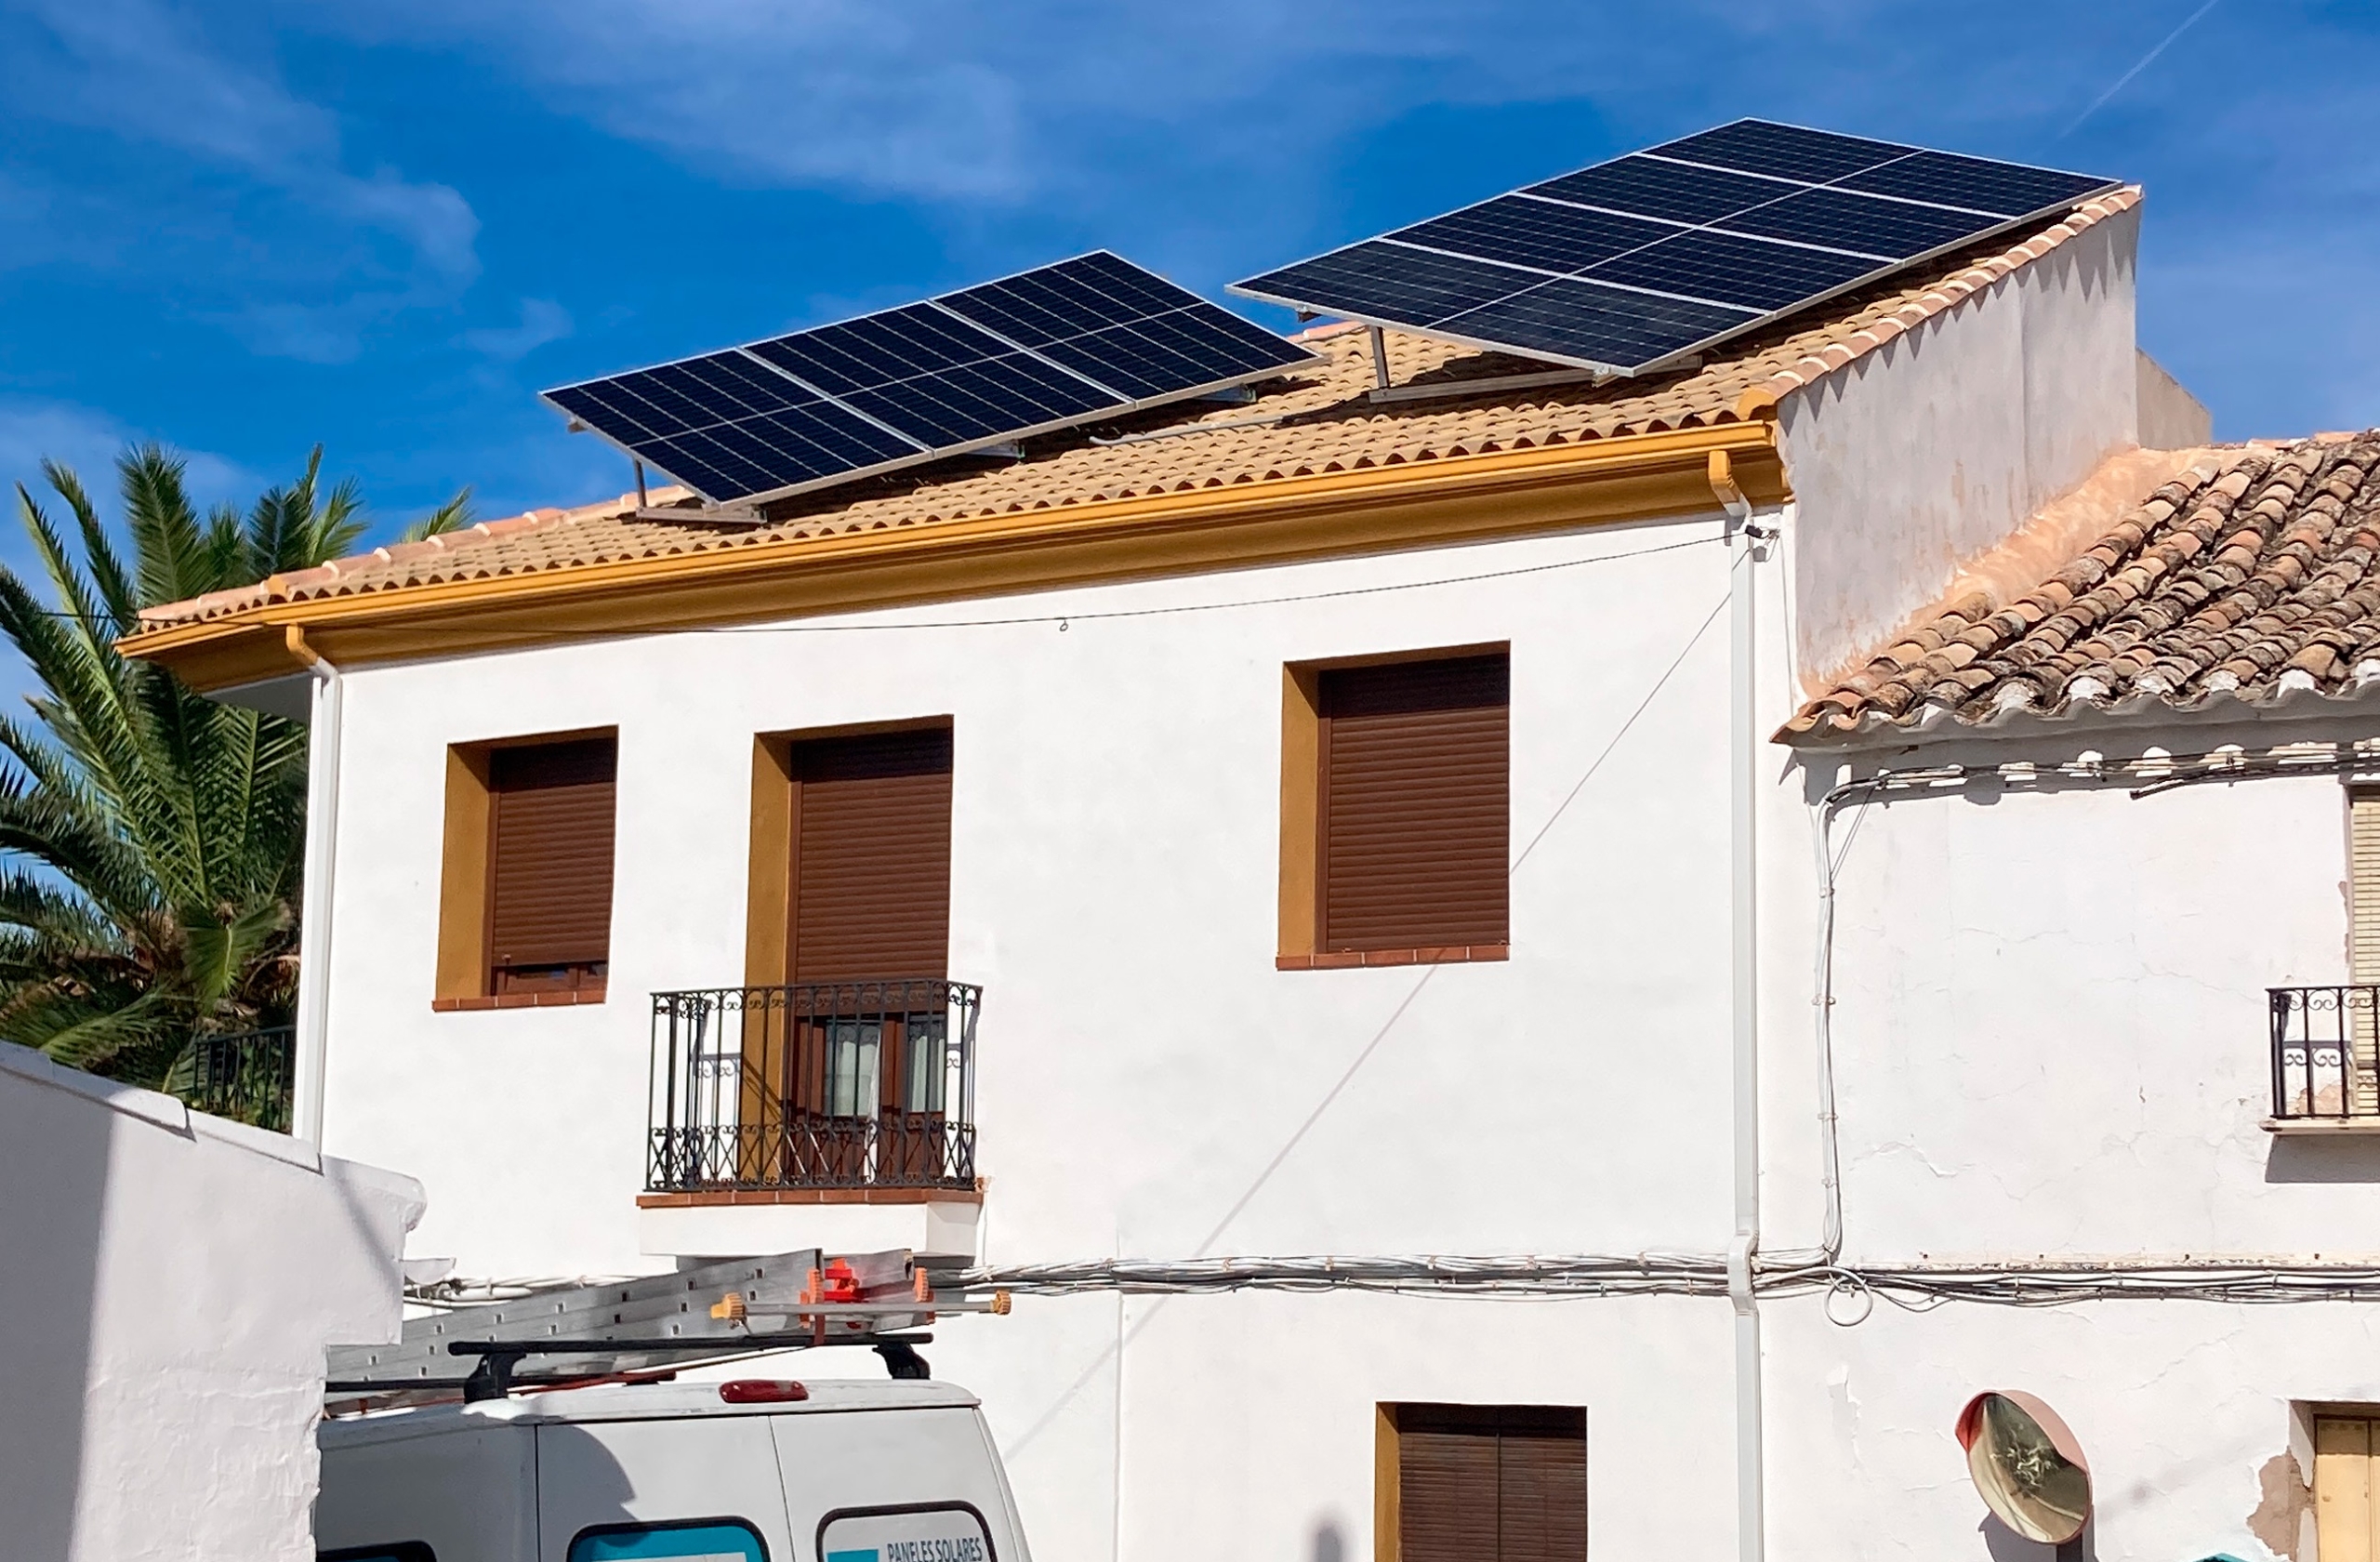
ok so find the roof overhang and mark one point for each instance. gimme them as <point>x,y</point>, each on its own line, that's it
<point>1386,509</point>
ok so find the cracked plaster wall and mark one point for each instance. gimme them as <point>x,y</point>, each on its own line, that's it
<point>2051,1028</point>
<point>2050,1037</point>
<point>2180,1408</point>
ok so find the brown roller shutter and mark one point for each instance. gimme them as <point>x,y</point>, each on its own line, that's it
<point>1414,811</point>
<point>1446,1465</point>
<point>550,827</point>
<point>872,855</point>
<point>1491,1483</point>
<point>1542,1486</point>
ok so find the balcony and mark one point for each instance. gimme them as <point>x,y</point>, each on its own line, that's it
<point>828,1085</point>
<point>246,1076</point>
<point>2325,1059</point>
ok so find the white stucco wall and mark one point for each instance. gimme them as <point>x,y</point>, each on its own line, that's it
<point>1936,445</point>
<point>2051,1040</point>
<point>169,1283</point>
<point>2048,1040</point>
<point>2050,1020</point>
<point>1115,884</point>
<point>2178,1406</point>
<point>1140,1061</point>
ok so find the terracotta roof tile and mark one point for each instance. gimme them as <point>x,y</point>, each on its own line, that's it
<point>1318,423</point>
<point>2253,571</point>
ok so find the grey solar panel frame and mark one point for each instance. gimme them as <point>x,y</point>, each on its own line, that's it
<point>1123,405</point>
<point>1755,319</point>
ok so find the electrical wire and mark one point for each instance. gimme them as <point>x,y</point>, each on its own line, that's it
<point>1911,1287</point>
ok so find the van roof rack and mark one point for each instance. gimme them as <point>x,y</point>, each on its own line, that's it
<point>650,1326</point>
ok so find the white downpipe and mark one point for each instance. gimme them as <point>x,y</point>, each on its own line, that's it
<point>314,928</point>
<point>1744,999</point>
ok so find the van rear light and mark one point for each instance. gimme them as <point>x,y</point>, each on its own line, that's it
<point>762,1391</point>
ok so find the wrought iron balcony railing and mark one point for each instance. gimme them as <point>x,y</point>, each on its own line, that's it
<point>2326,1053</point>
<point>248,1077</point>
<point>818,1085</point>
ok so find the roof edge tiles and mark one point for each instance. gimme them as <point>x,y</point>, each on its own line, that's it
<point>1392,506</point>
<point>2247,582</point>
<point>1321,431</point>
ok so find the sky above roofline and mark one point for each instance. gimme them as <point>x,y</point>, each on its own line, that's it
<point>251,228</point>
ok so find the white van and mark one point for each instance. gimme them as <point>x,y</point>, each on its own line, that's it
<point>750,1470</point>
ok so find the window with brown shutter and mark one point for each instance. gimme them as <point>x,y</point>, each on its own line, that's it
<point>1395,810</point>
<point>1482,1483</point>
<point>871,856</point>
<point>850,855</point>
<point>525,900</point>
<point>549,892</point>
<point>848,924</point>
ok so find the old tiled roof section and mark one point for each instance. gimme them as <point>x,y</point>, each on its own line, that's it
<point>1321,422</point>
<point>2254,573</point>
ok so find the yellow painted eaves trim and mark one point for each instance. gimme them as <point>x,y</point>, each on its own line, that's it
<point>1622,478</point>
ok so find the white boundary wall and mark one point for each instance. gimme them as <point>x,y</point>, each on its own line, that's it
<point>169,1281</point>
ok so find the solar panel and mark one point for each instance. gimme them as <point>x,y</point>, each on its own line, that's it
<point>1086,339</point>
<point>1632,264</point>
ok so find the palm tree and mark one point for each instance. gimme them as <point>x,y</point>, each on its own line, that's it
<point>151,839</point>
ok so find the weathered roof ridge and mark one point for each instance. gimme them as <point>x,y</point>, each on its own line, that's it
<point>2250,574</point>
<point>1315,423</point>
<point>1945,294</point>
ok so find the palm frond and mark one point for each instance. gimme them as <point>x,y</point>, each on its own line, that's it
<point>166,538</point>
<point>151,842</point>
<point>452,516</point>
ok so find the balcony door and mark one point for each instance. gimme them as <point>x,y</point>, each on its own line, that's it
<point>868,940</point>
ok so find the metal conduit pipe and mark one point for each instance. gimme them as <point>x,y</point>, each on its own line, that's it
<point>314,902</point>
<point>1744,995</point>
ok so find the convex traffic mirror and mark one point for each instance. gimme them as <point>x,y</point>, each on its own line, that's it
<point>2026,1465</point>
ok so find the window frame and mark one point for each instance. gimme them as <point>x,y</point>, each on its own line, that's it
<point>663,1526</point>
<point>1302,816</point>
<point>465,976</point>
<point>770,878</point>
<point>1388,1469</point>
<point>895,1510</point>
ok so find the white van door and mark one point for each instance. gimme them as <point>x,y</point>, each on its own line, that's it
<point>920,1485</point>
<point>689,1489</point>
<point>455,1494</point>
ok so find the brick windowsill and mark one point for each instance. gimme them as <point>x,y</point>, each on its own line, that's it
<point>519,1000</point>
<point>715,1198</point>
<point>1349,959</point>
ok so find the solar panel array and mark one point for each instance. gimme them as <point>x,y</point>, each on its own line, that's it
<point>1661,254</point>
<point>1086,339</point>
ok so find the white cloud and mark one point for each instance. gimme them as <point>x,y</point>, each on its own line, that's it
<point>542,321</point>
<point>892,98</point>
<point>89,442</point>
<point>32,429</point>
<point>350,248</point>
<point>999,107</point>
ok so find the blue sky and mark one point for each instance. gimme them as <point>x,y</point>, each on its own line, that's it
<point>249,226</point>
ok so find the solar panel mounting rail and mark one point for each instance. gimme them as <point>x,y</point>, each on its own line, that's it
<point>1642,262</point>
<point>1084,339</point>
